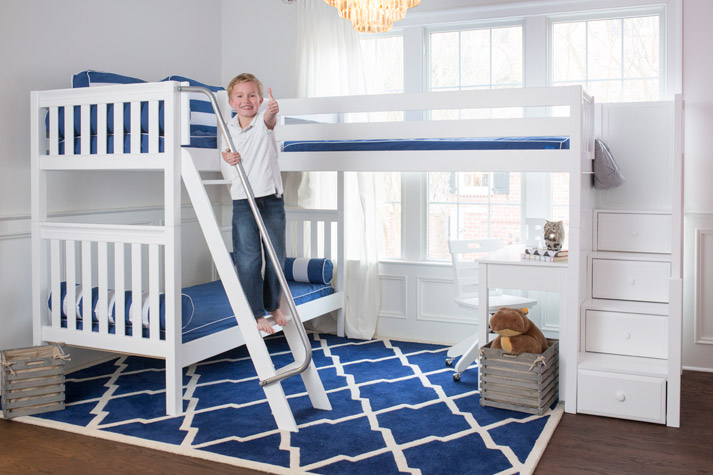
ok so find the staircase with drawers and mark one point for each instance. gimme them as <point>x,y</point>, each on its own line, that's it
<point>629,360</point>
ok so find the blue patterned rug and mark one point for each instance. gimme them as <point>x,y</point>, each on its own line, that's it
<point>396,409</point>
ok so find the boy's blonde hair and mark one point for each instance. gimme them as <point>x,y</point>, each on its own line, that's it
<point>245,77</point>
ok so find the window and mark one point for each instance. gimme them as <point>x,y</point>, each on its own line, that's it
<point>473,205</point>
<point>384,66</point>
<point>615,59</point>
<point>617,55</point>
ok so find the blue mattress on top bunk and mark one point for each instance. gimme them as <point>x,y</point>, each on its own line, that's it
<point>482,143</point>
<point>205,308</point>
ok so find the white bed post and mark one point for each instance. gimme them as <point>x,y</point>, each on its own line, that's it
<point>341,251</point>
<point>38,192</point>
<point>569,329</point>
<point>172,228</point>
<point>675,329</point>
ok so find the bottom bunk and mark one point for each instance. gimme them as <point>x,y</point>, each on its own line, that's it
<point>122,264</point>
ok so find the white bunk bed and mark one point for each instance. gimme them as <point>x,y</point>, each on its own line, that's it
<point>124,263</point>
<point>323,134</point>
<point>164,153</point>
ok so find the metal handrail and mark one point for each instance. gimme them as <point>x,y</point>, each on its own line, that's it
<point>286,372</point>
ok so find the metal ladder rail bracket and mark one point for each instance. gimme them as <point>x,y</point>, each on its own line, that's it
<point>289,370</point>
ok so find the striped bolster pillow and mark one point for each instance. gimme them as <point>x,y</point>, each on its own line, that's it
<point>313,271</point>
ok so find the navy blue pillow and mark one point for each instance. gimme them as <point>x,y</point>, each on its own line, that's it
<point>203,120</point>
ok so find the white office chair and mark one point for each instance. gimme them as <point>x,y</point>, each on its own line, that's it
<point>465,273</point>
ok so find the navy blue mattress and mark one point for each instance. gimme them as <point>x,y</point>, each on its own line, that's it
<point>205,308</point>
<point>485,143</point>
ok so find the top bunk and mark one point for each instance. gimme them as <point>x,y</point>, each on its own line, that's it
<point>519,129</point>
<point>522,129</point>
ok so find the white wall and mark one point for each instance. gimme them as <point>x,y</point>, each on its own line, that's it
<point>258,38</point>
<point>698,195</point>
<point>42,44</point>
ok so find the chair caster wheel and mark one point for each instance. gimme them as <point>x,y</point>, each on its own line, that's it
<point>449,361</point>
<point>456,377</point>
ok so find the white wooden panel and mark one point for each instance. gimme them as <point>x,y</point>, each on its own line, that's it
<point>511,127</point>
<point>103,286</point>
<point>154,277</point>
<point>153,127</point>
<point>55,278</point>
<point>70,261</point>
<point>135,127</point>
<point>626,334</point>
<point>119,289</point>
<point>54,131</point>
<point>630,280</point>
<point>627,396</point>
<point>422,160</point>
<point>634,232</point>
<point>85,129</point>
<point>393,296</point>
<point>69,131</point>
<point>136,289</point>
<point>647,163</point>
<point>102,131</point>
<point>86,280</point>
<point>703,326</point>
<point>118,128</point>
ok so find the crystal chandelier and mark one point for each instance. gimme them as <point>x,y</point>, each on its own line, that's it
<point>372,16</point>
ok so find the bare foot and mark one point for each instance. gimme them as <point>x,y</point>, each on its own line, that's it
<point>264,325</point>
<point>279,317</point>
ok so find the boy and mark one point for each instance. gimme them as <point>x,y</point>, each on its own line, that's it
<point>252,134</point>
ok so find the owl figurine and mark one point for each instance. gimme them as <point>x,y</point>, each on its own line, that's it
<point>554,235</point>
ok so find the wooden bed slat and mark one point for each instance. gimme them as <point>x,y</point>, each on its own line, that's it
<point>86,280</point>
<point>103,287</point>
<point>136,288</point>
<point>55,278</point>
<point>119,288</point>
<point>71,280</point>
<point>101,129</point>
<point>135,130</point>
<point>154,276</point>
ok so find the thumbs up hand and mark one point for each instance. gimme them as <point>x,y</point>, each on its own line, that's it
<point>273,108</point>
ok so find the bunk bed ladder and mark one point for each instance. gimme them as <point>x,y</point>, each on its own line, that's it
<point>294,331</point>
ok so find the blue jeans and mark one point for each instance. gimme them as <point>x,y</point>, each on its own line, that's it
<point>262,294</point>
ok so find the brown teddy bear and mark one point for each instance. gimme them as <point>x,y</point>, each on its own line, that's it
<point>516,333</point>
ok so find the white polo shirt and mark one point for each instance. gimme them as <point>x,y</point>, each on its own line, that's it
<point>258,151</point>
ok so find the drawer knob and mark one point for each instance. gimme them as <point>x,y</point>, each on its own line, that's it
<point>632,281</point>
<point>627,335</point>
<point>620,396</point>
<point>633,233</point>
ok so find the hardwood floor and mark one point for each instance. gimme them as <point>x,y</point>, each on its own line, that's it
<point>581,444</point>
<point>590,444</point>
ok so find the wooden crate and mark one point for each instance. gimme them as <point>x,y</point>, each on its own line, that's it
<point>527,382</point>
<point>32,380</point>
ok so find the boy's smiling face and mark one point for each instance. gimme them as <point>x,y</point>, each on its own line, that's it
<point>245,99</point>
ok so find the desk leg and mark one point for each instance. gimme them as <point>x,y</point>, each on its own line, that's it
<point>471,354</point>
<point>483,304</point>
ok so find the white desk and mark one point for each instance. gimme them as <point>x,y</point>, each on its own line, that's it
<point>505,269</point>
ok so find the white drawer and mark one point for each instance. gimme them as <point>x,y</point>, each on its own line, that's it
<point>629,334</point>
<point>631,232</point>
<point>645,281</point>
<point>627,396</point>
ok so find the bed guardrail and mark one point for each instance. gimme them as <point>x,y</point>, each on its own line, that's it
<point>290,370</point>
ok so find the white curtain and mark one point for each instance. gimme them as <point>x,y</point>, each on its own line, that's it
<point>329,63</point>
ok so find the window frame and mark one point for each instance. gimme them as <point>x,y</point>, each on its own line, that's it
<point>630,12</point>
<point>537,68</point>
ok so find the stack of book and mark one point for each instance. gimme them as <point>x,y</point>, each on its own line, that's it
<point>546,255</point>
